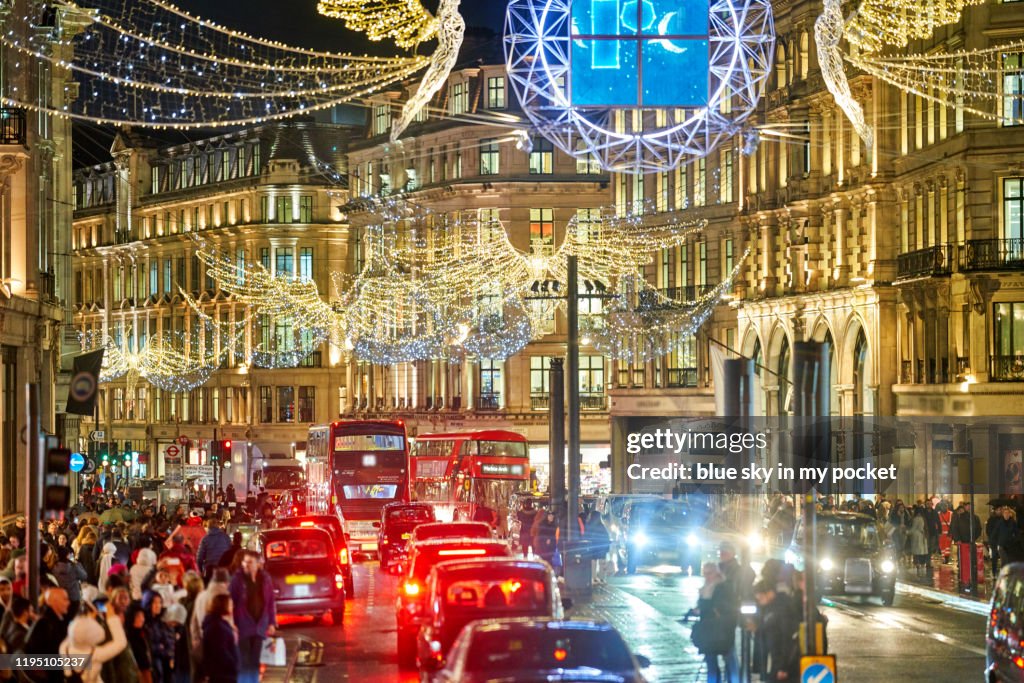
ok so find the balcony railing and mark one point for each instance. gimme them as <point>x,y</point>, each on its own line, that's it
<point>12,126</point>
<point>924,262</point>
<point>680,377</point>
<point>992,254</point>
<point>1007,368</point>
<point>488,402</point>
<point>593,401</point>
<point>540,401</point>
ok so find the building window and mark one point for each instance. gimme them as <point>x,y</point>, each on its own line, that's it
<point>586,162</point>
<point>542,157</point>
<point>1013,209</point>
<point>490,224</point>
<point>381,118</point>
<point>1013,89</point>
<point>118,403</point>
<point>284,210</point>
<point>702,263</point>
<point>540,385</point>
<point>265,257</point>
<point>727,257</point>
<point>728,175</point>
<point>542,231</point>
<point>591,375</point>
<point>306,209</point>
<point>1009,339</point>
<point>168,283</point>
<point>458,98</point>
<point>490,157</point>
<point>496,92</point>
<point>700,192</point>
<point>490,384</point>
<point>286,404</point>
<point>284,261</point>
<point>307,404</point>
<point>229,404</point>
<point>306,263</point>
<point>266,404</point>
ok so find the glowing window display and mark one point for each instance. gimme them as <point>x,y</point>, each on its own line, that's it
<point>630,53</point>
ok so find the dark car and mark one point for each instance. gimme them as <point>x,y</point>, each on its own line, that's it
<point>1004,634</point>
<point>542,650</point>
<point>410,605</point>
<point>659,531</point>
<point>333,525</point>
<point>852,557</point>
<point>461,592</point>
<point>451,530</point>
<point>291,504</point>
<point>306,572</point>
<point>397,521</point>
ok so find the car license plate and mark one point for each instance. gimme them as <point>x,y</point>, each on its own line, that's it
<point>858,589</point>
<point>299,579</point>
<point>368,546</point>
<point>406,537</point>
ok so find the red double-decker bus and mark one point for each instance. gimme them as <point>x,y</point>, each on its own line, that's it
<point>356,467</point>
<point>471,475</point>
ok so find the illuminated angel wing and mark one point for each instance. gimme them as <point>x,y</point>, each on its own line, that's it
<point>406,22</point>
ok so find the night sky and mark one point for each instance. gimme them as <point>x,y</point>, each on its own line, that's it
<point>296,22</point>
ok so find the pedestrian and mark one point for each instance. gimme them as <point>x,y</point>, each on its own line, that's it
<point>138,639</point>
<point>229,494</point>
<point>177,559</point>
<point>917,542</point>
<point>740,576</point>
<point>228,558</point>
<point>945,519</point>
<point>139,574</point>
<point>6,593</point>
<point>899,521</point>
<point>86,636</point>
<point>545,540</point>
<point>69,575</point>
<point>17,621</point>
<point>218,586</point>
<point>84,555</point>
<point>176,618</point>
<point>1004,538</point>
<point>191,533</point>
<point>526,515</point>
<point>598,542</point>
<point>213,546</point>
<point>252,590</point>
<point>221,643</point>
<point>17,530</point>
<point>714,634</point>
<point>49,630</point>
<point>160,636</point>
<point>779,625</point>
<point>932,527</point>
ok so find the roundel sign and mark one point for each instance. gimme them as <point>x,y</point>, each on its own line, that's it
<point>83,386</point>
<point>77,462</point>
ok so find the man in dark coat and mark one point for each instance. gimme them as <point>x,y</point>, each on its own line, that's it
<point>49,631</point>
<point>213,546</point>
<point>252,592</point>
<point>780,623</point>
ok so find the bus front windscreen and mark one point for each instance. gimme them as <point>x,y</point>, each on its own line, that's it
<point>367,443</point>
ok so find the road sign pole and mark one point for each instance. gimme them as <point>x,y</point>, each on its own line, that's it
<point>33,492</point>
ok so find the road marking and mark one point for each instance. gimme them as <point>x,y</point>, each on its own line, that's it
<point>886,621</point>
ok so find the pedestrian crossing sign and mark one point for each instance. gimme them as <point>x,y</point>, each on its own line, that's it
<point>818,669</point>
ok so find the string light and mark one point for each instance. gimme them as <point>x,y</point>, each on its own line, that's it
<point>151,64</point>
<point>874,26</point>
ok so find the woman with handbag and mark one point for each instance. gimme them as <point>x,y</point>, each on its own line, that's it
<point>714,634</point>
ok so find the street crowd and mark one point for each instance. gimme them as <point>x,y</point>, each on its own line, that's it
<point>152,595</point>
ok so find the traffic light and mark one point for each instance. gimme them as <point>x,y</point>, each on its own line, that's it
<point>105,454</point>
<point>221,451</point>
<point>57,492</point>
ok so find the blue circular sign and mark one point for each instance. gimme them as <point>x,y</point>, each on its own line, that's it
<point>83,386</point>
<point>77,462</point>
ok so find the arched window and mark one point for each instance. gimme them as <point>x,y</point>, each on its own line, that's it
<point>780,65</point>
<point>863,399</point>
<point>785,386</point>
<point>805,54</point>
<point>833,372</point>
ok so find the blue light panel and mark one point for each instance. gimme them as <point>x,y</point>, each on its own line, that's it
<point>639,53</point>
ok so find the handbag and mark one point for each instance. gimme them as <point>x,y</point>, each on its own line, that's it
<point>273,653</point>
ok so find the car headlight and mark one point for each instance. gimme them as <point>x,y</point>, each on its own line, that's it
<point>754,540</point>
<point>888,566</point>
<point>691,539</point>
<point>826,563</point>
<point>640,539</point>
<point>791,557</point>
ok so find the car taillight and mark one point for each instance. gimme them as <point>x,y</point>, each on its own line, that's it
<point>306,525</point>
<point>343,556</point>
<point>295,510</point>
<point>339,581</point>
<point>411,589</point>
<point>560,654</point>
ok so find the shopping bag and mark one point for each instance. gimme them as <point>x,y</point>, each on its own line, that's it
<point>273,653</point>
